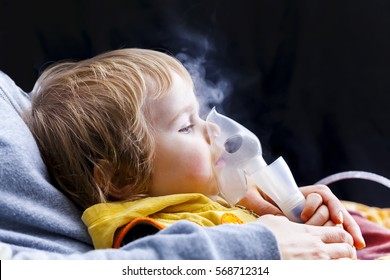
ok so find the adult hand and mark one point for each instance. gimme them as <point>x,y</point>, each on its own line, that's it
<point>337,212</point>
<point>301,241</point>
<point>322,207</point>
<point>315,212</point>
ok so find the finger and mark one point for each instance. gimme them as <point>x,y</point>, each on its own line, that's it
<point>328,198</point>
<point>341,251</point>
<point>334,205</point>
<point>320,217</point>
<point>260,207</point>
<point>255,202</point>
<point>338,212</point>
<point>253,189</point>
<point>330,223</point>
<point>353,228</point>
<point>335,208</point>
<point>348,222</point>
<point>313,202</point>
<point>335,235</point>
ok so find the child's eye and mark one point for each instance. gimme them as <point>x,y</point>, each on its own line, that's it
<point>187,129</point>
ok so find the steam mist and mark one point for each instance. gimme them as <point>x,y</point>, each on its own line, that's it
<point>211,88</point>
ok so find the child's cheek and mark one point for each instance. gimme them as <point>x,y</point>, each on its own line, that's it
<point>199,166</point>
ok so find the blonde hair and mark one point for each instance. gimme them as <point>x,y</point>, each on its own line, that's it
<point>89,120</point>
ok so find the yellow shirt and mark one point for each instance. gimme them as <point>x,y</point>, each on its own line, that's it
<point>108,223</point>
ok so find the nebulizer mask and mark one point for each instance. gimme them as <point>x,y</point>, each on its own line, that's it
<point>240,155</point>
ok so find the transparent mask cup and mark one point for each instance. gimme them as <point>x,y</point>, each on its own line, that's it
<point>240,155</point>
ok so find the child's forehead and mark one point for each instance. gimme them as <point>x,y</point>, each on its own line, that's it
<point>183,75</point>
<point>180,98</point>
<point>160,86</point>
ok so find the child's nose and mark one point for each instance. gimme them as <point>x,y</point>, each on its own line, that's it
<point>211,131</point>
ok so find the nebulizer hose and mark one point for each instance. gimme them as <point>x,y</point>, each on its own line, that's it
<point>355,175</point>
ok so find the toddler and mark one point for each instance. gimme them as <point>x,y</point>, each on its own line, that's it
<point>121,136</point>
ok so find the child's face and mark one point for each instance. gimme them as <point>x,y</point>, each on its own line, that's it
<point>184,162</point>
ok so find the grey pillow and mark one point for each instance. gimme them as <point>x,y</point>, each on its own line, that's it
<point>33,213</point>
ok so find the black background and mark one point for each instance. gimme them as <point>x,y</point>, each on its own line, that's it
<point>311,78</point>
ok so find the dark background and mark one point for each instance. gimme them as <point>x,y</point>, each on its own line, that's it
<point>311,78</point>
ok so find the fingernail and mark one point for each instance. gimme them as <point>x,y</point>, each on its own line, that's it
<point>364,243</point>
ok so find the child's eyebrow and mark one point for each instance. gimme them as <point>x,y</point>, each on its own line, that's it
<point>187,109</point>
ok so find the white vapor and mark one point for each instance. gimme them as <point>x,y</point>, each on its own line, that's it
<point>209,92</point>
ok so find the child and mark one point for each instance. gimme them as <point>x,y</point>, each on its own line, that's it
<point>121,136</point>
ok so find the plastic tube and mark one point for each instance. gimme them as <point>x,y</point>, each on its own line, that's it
<point>278,183</point>
<point>355,175</point>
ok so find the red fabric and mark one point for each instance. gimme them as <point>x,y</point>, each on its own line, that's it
<point>377,238</point>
